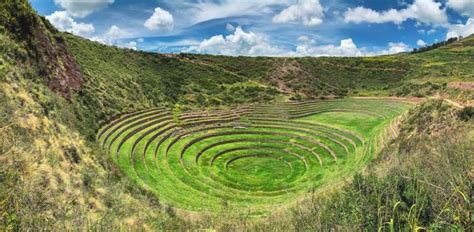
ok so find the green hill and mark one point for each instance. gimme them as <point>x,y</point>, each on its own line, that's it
<point>57,90</point>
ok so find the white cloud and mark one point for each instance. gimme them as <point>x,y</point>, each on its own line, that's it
<point>251,44</point>
<point>307,12</point>
<point>112,36</point>
<point>159,20</point>
<point>116,32</point>
<point>178,43</point>
<point>82,8</point>
<point>346,48</point>
<point>424,11</point>
<point>465,7</point>
<point>457,30</point>
<point>130,45</point>
<point>82,29</point>
<point>361,14</point>
<point>394,48</point>
<point>230,27</point>
<point>305,39</point>
<point>421,43</point>
<point>206,10</point>
<point>239,43</point>
<point>63,22</point>
<point>427,32</point>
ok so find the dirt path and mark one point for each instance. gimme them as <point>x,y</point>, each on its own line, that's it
<point>461,85</point>
<point>451,102</point>
<point>212,66</point>
<point>419,99</point>
<point>407,99</point>
<point>362,68</point>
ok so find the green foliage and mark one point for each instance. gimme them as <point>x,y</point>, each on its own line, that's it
<point>436,45</point>
<point>466,113</point>
<point>404,203</point>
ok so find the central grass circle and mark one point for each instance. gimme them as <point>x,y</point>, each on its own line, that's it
<point>259,170</point>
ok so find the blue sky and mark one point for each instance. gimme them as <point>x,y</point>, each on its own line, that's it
<point>264,27</point>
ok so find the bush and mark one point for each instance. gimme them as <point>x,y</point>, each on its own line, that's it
<point>466,113</point>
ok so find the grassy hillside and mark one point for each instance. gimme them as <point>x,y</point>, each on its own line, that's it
<point>57,90</point>
<point>421,74</point>
<point>122,80</point>
<point>51,176</point>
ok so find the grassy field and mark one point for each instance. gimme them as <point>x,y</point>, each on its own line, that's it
<point>252,159</point>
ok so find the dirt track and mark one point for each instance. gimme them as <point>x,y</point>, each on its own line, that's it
<point>462,85</point>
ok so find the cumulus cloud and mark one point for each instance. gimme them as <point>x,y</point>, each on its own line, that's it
<point>82,8</point>
<point>464,30</point>
<point>424,11</point>
<point>82,29</point>
<point>113,36</point>
<point>64,22</point>
<point>61,20</point>
<point>251,44</point>
<point>465,7</point>
<point>115,33</point>
<point>307,12</point>
<point>159,20</point>
<point>421,43</point>
<point>346,48</point>
<point>394,48</point>
<point>130,45</point>
<point>238,43</point>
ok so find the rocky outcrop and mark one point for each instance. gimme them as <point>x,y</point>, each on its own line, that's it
<point>46,49</point>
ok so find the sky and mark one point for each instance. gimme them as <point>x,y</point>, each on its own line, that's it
<point>263,27</point>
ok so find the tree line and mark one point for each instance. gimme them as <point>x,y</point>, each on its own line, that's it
<point>436,45</point>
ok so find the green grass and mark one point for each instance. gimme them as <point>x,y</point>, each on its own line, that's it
<point>357,122</point>
<point>254,160</point>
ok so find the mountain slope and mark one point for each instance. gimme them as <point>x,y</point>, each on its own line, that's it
<point>43,48</point>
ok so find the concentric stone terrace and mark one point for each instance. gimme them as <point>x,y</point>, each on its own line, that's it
<point>252,158</point>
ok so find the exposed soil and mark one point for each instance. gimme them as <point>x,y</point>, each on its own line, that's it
<point>291,77</point>
<point>282,73</point>
<point>405,99</point>
<point>46,48</point>
<point>62,71</point>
